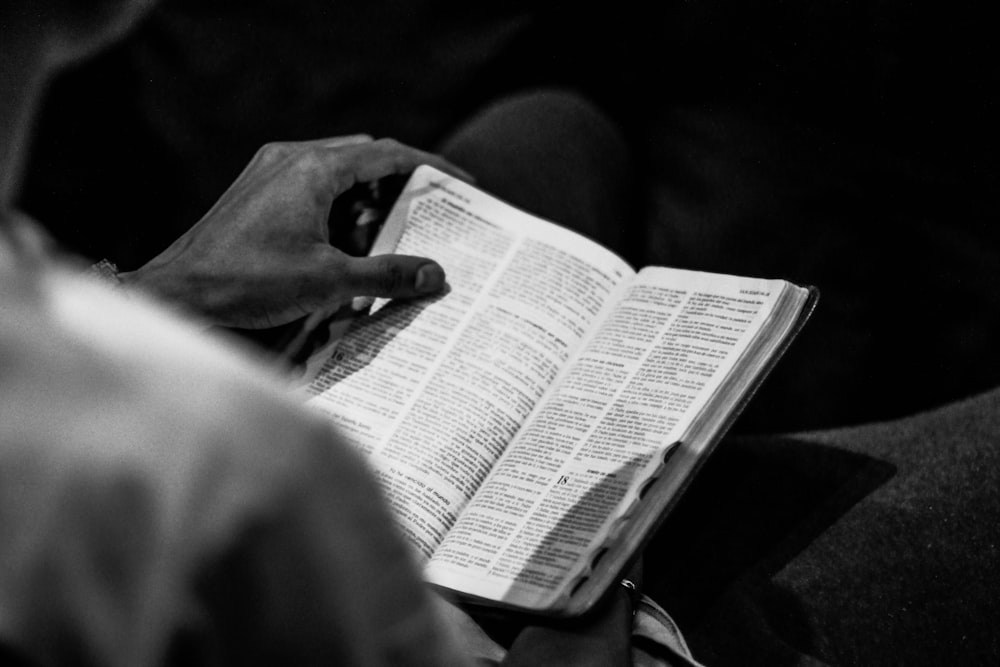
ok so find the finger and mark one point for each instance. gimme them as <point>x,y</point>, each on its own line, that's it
<point>634,572</point>
<point>277,151</point>
<point>384,157</point>
<point>327,173</point>
<point>388,276</point>
<point>334,142</point>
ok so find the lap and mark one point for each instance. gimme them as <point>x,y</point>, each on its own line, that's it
<point>557,155</point>
<point>868,545</point>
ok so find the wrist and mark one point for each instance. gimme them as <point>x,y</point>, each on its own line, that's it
<point>189,292</point>
<point>160,284</point>
<point>137,280</point>
<point>107,272</point>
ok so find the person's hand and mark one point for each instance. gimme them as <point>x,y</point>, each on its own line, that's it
<point>261,257</point>
<point>601,638</point>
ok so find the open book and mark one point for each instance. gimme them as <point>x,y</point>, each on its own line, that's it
<point>532,426</point>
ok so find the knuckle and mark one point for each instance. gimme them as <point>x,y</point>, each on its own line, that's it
<point>317,170</point>
<point>391,277</point>
<point>308,161</point>
<point>273,151</point>
<point>336,276</point>
<point>388,144</point>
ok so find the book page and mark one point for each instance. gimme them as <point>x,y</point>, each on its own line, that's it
<point>636,385</point>
<point>433,390</point>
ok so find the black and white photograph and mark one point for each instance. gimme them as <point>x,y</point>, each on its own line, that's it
<point>414,333</point>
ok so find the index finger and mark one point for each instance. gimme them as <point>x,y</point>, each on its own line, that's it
<point>377,159</point>
<point>333,142</point>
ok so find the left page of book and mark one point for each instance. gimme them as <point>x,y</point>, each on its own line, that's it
<point>432,390</point>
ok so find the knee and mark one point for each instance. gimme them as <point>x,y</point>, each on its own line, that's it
<point>545,121</point>
<point>554,153</point>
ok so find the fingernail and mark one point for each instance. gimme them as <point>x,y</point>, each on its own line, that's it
<point>430,278</point>
<point>360,304</point>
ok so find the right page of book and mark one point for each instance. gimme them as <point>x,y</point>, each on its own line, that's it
<point>639,382</point>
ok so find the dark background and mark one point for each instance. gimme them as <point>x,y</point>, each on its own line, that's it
<point>849,145</point>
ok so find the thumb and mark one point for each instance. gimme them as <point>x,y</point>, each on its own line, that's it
<point>391,276</point>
